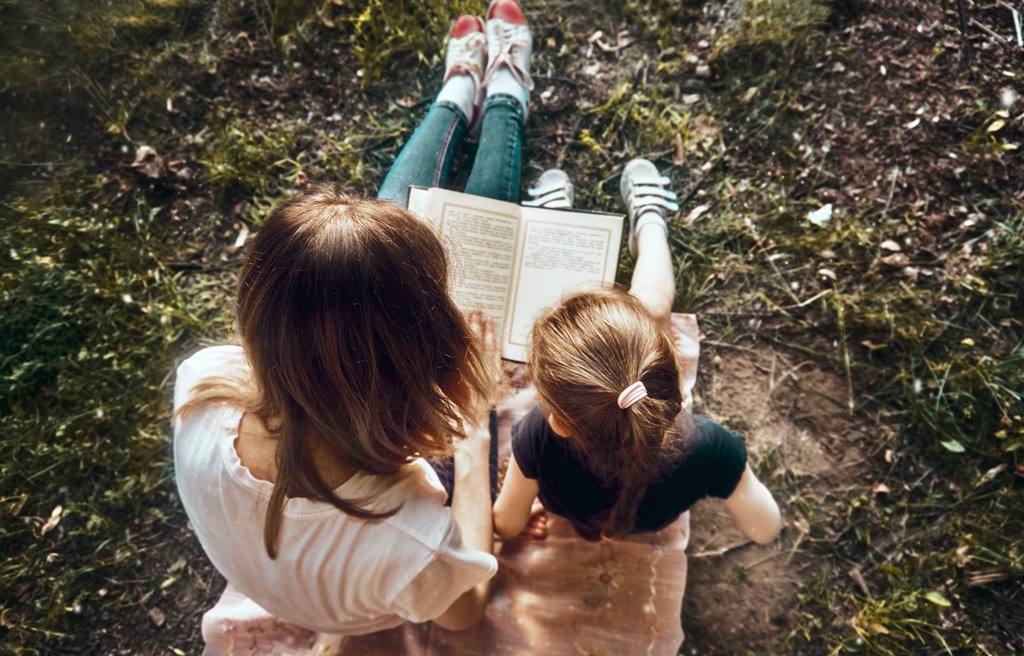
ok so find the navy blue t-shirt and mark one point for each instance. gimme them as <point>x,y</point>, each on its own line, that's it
<point>711,463</point>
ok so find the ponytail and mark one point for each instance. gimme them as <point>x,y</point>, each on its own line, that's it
<point>608,371</point>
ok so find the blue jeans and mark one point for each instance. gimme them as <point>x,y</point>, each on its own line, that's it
<point>426,160</point>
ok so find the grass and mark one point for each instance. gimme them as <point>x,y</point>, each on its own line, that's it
<point>109,276</point>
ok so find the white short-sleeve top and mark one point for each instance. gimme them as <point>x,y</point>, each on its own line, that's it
<point>334,573</point>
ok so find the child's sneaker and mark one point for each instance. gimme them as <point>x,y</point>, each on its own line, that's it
<point>509,46</point>
<point>647,200</point>
<point>553,190</point>
<point>466,54</point>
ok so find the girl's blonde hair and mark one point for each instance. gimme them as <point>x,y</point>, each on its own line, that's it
<point>354,345</point>
<point>583,353</point>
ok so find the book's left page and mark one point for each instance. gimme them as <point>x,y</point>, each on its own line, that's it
<point>480,235</point>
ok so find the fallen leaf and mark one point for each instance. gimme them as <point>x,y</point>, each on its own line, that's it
<point>898,260</point>
<point>954,446</point>
<point>157,616</point>
<point>696,213</point>
<point>52,522</point>
<point>996,126</point>
<point>821,216</point>
<point>147,161</point>
<point>890,245</point>
<point>992,473</point>
<point>801,524</point>
<point>18,504</point>
<point>679,156</point>
<point>937,598</point>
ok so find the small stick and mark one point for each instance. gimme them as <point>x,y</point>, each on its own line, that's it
<point>722,551</point>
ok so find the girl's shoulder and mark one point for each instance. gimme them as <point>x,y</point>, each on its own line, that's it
<point>225,362</point>
<point>214,360</point>
<point>712,454</point>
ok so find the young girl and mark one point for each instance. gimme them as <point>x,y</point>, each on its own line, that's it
<point>610,446</point>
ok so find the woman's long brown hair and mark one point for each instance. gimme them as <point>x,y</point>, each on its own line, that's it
<point>354,344</point>
<point>583,353</point>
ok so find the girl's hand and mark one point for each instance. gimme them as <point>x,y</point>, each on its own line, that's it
<point>537,526</point>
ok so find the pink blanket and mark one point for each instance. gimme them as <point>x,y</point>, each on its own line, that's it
<point>562,596</point>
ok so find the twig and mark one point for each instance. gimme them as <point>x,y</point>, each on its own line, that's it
<point>841,317</point>
<point>722,551</point>
<point>963,28</point>
<point>988,30</point>
<point>858,578</point>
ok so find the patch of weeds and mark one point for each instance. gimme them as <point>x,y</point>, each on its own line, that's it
<point>69,56</point>
<point>766,24</point>
<point>384,33</point>
<point>278,18</point>
<point>92,322</point>
<point>245,158</point>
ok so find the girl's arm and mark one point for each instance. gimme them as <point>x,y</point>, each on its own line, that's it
<point>471,495</point>
<point>512,510</point>
<point>754,509</point>
<point>470,500</point>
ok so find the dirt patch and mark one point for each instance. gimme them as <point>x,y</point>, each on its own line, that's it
<point>800,435</point>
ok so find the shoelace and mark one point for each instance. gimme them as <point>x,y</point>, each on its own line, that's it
<point>650,193</point>
<point>464,55</point>
<point>511,38</point>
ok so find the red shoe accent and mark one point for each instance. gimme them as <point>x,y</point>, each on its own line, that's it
<point>467,25</point>
<point>508,11</point>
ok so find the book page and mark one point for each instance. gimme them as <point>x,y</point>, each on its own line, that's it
<point>480,235</point>
<point>559,252</point>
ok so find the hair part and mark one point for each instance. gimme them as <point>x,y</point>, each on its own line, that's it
<point>355,346</point>
<point>583,353</point>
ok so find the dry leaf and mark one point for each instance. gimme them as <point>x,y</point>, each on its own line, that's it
<point>157,616</point>
<point>992,473</point>
<point>890,245</point>
<point>696,213</point>
<point>898,260</point>
<point>52,522</point>
<point>18,504</point>
<point>821,216</point>
<point>996,126</point>
<point>679,156</point>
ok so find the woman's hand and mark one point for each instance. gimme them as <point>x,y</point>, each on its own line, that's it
<point>482,328</point>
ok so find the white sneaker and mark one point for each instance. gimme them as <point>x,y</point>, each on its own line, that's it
<point>553,190</point>
<point>647,200</point>
<point>466,54</point>
<point>509,44</point>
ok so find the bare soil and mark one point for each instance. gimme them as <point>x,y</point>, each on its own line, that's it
<point>795,419</point>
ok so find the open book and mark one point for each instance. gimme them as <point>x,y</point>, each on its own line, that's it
<point>513,261</point>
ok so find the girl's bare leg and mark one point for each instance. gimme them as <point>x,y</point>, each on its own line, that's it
<point>654,281</point>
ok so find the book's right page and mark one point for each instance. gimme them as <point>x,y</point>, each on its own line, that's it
<point>559,251</point>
